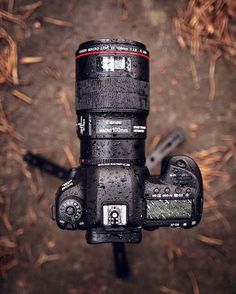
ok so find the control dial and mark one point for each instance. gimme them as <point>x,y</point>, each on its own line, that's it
<point>70,210</point>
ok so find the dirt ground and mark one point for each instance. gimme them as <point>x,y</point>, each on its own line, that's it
<point>167,258</point>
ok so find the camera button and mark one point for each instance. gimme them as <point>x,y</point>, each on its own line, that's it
<point>177,190</point>
<point>156,190</point>
<point>181,163</point>
<point>188,190</point>
<point>70,210</point>
<point>167,190</point>
<point>114,214</point>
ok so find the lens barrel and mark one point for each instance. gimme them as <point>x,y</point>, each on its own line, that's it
<point>112,101</point>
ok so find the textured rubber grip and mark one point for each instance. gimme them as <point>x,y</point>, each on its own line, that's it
<point>112,93</point>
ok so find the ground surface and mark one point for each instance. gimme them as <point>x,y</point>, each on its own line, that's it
<point>82,268</point>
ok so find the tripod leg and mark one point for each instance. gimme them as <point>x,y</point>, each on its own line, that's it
<point>165,147</point>
<point>47,166</point>
<point>121,261</point>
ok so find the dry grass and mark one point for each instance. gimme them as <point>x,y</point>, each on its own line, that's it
<point>203,25</point>
<point>8,59</point>
<point>208,25</point>
<point>210,162</point>
<point>213,163</point>
<point>9,75</point>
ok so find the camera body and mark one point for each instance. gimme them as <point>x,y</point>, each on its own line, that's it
<point>113,203</point>
<point>112,194</point>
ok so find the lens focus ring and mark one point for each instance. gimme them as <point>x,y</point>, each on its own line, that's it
<point>112,93</point>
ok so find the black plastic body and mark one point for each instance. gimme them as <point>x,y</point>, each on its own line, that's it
<point>112,194</point>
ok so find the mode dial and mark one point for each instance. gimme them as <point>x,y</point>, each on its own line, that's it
<point>70,210</point>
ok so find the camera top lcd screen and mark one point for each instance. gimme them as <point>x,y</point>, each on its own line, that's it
<point>169,209</point>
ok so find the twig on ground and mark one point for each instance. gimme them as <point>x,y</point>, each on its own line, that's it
<point>30,8</point>
<point>10,5</point>
<point>31,59</point>
<point>5,219</point>
<point>12,18</point>
<point>26,172</point>
<point>57,22</point>
<point>166,290</point>
<point>212,82</point>
<point>154,143</point>
<point>70,156</point>
<point>31,216</point>
<point>43,258</point>
<point>194,282</point>
<point>6,127</point>
<point>9,265</point>
<point>210,241</point>
<point>194,74</point>
<point>22,96</point>
<point>64,101</point>
<point>4,242</point>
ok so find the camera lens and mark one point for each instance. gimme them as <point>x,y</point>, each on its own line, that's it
<point>112,101</point>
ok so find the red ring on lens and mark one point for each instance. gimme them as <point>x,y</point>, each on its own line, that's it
<point>112,52</point>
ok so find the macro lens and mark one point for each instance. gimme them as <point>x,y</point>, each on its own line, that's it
<point>111,194</point>
<point>112,101</point>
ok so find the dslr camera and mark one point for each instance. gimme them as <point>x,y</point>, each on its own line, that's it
<point>111,194</point>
